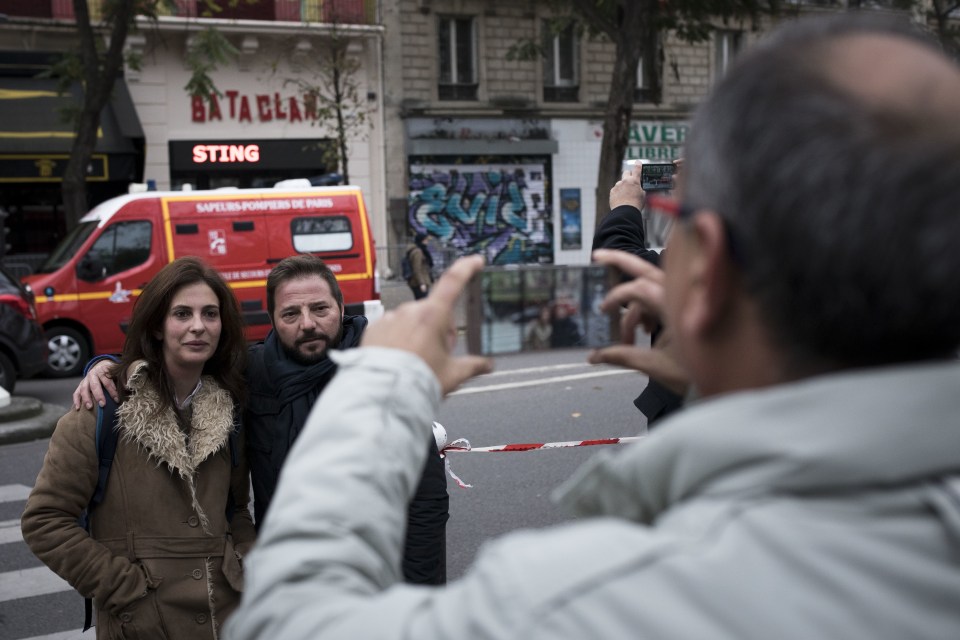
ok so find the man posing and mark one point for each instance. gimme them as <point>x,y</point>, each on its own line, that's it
<point>285,375</point>
<point>814,489</point>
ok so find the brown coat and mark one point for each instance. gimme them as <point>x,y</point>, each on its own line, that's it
<point>161,560</point>
<point>420,269</point>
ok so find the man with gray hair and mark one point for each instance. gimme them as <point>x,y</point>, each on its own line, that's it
<point>812,284</point>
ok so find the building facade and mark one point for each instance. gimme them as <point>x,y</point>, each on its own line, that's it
<point>484,151</point>
<point>501,154</point>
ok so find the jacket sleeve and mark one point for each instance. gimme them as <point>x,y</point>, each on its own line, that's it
<point>241,525</point>
<point>623,229</point>
<point>63,489</point>
<point>327,560</point>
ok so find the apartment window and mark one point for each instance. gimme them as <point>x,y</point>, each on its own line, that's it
<point>561,64</point>
<point>727,46</point>
<point>643,92</point>
<point>458,59</point>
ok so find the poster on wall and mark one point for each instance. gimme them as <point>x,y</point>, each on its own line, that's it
<point>571,226</point>
<point>499,210</point>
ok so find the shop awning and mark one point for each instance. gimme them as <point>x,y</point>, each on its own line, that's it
<point>36,133</point>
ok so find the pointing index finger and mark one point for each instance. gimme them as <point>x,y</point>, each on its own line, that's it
<point>453,281</point>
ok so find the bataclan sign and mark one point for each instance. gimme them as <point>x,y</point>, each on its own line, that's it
<point>264,107</point>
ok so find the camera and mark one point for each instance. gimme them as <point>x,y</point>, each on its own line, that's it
<point>533,307</point>
<point>654,176</point>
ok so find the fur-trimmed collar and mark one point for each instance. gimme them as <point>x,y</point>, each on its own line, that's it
<point>162,439</point>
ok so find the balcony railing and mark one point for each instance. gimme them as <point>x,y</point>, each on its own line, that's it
<point>328,11</point>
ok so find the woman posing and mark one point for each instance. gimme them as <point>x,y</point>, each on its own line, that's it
<point>162,556</point>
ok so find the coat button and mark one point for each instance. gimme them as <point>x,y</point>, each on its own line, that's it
<point>193,521</point>
<point>125,617</point>
<point>197,574</point>
<point>201,618</point>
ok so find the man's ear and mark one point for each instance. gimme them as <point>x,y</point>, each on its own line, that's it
<point>713,278</point>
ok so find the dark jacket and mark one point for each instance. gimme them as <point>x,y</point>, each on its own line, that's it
<point>282,393</point>
<point>623,229</point>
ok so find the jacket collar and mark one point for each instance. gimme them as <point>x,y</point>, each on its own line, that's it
<point>291,379</point>
<point>835,432</point>
<point>161,436</point>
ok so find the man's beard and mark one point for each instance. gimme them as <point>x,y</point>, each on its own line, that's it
<point>313,358</point>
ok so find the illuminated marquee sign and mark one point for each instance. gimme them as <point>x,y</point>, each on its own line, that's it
<point>226,153</point>
<point>307,155</point>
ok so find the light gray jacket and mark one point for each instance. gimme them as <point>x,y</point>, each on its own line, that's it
<point>828,508</point>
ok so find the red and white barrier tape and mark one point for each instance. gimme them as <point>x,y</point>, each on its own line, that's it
<point>462,445</point>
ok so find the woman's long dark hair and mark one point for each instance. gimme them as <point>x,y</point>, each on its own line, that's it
<point>149,313</point>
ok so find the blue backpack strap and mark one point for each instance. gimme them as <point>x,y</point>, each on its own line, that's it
<point>106,443</point>
<point>98,359</point>
<point>106,446</point>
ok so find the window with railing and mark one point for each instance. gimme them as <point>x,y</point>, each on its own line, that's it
<point>643,92</point>
<point>727,45</point>
<point>27,8</point>
<point>458,59</point>
<point>63,9</point>
<point>561,64</point>
<point>329,11</point>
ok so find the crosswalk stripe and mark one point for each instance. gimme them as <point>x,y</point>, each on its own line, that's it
<point>27,583</point>
<point>10,532</point>
<point>36,581</point>
<point>66,635</point>
<point>12,492</point>
<point>539,381</point>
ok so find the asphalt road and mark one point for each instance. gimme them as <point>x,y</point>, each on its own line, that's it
<point>530,398</point>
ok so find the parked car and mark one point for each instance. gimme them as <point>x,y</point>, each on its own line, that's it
<point>23,347</point>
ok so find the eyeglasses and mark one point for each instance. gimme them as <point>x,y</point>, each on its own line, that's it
<point>664,211</point>
<point>661,213</point>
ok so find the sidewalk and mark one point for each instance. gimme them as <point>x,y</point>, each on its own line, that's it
<point>395,292</point>
<point>28,419</point>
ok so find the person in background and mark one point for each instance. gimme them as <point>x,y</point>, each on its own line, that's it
<point>286,374</point>
<point>564,331</point>
<point>422,266</point>
<point>162,558</point>
<point>537,336</point>
<point>812,489</point>
<point>623,229</point>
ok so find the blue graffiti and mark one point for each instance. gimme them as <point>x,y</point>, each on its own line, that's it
<point>483,212</point>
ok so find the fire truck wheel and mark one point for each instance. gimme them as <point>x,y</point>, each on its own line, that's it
<point>69,352</point>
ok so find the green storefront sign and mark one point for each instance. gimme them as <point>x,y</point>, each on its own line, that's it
<point>656,139</point>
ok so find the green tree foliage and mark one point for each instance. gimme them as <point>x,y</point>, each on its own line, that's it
<point>944,16</point>
<point>98,61</point>
<point>635,27</point>
<point>331,81</point>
